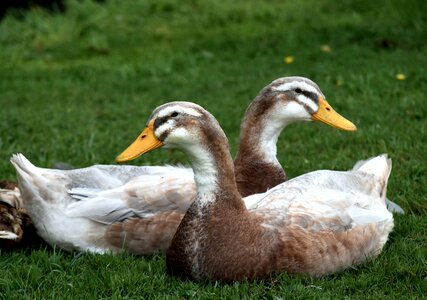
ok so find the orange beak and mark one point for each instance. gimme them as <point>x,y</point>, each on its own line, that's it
<point>144,143</point>
<point>326,114</point>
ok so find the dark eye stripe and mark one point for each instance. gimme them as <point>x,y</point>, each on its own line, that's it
<point>307,108</point>
<point>164,135</point>
<point>159,121</point>
<point>311,96</point>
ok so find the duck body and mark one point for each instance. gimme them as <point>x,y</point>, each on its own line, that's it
<point>316,224</point>
<point>111,216</point>
<point>309,225</point>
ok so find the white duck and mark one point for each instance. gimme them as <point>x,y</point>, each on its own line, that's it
<point>108,208</point>
<point>316,224</point>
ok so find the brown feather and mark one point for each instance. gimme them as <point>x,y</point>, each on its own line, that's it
<point>144,236</point>
<point>8,185</point>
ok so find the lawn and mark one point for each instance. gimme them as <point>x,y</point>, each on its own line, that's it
<point>78,87</point>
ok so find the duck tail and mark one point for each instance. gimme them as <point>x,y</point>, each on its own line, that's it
<point>394,207</point>
<point>26,172</point>
<point>22,164</point>
<point>380,167</point>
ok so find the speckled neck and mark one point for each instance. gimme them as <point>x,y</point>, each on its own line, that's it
<point>256,166</point>
<point>217,196</point>
<point>255,173</point>
<point>213,168</point>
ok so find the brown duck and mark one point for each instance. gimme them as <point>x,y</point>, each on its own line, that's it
<point>316,224</point>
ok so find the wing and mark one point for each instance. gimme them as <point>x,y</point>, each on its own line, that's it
<point>144,236</point>
<point>112,176</point>
<point>143,196</point>
<point>322,200</point>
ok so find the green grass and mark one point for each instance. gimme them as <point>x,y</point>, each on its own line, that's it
<point>78,87</point>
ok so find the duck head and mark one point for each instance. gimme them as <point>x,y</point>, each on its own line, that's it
<point>188,127</point>
<point>284,101</point>
<point>182,125</point>
<point>291,99</point>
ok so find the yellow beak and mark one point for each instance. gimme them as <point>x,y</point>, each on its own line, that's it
<point>144,143</point>
<point>326,114</point>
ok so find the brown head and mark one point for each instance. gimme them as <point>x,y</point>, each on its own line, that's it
<point>284,101</point>
<point>190,128</point>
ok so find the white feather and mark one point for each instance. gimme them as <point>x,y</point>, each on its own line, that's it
<point>178,108</point>
<point>294,85</point>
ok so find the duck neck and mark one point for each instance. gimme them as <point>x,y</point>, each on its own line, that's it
<point>214,174</point>
<point>257,157</point>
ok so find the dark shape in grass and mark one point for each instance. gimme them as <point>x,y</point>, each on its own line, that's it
<point>18,7</point>
<point>387,44</point>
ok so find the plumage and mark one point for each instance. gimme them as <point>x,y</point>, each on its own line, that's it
<point>105,198</point>
<point>8,185</point>
<point>91,224</point>
<point>316,224</point>
<point>15,224</point>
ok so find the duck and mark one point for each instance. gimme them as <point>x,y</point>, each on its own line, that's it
<point>110,208</point>
<point>316,224</point>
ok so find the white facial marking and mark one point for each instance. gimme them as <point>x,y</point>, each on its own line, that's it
<point>180,109</point>
<point>294,85</point>
<point>169,125</point>
<point>307,101</point>
<point>273,125</point>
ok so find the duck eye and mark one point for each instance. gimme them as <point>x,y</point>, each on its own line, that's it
<point>298,91</point>
<point>174,114</point>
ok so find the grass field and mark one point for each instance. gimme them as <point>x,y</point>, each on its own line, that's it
<point>78,87</point>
